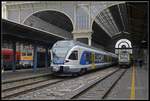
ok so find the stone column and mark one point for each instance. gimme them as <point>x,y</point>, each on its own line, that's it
<point>89,41</point>
<point>4,11</point>
<point>82,35</point>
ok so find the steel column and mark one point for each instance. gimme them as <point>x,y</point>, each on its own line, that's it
<point>46,58</point>
<point>14,57</point>
<point>35,58</point>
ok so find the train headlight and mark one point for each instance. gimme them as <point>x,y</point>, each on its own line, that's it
<point>56,68</point>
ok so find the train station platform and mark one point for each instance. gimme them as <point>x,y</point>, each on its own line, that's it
<point>7,76</point>
<point>142,82</point>
<point>134,85</point>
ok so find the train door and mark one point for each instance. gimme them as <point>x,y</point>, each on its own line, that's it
<point>93,60</point>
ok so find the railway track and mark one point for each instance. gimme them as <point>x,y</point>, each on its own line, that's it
<point>73,88</point>
<point>67,88</point>
<point>21,86</point>
<point>8,84</point>
<point>100,89</point>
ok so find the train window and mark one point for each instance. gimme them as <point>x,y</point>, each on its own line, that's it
<point>74,55</point>
<point>23,54</point>
<point>99,57</point>
<point>29,54</point>
<point>105,58</point>
<point>6,57</point>
<point>108,59</point>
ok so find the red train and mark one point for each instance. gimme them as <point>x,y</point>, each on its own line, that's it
<point>24,59</point>
<point>7,58</point>
<point>8,53</point>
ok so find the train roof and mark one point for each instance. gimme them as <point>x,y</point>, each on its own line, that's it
<point>74,43</point>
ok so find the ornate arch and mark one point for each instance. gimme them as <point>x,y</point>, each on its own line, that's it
<point>123,41</point>
<point>67,15</point>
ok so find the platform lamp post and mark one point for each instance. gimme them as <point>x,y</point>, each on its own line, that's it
<point>14,56</point>
<point>46,57</point>
<point>34,57</point>
<point>50,58</point>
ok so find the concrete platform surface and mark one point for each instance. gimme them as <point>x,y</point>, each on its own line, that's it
<point>126,89</point>
<point>24,73</point>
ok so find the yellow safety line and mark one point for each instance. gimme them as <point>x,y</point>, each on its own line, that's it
<point>132,96</point>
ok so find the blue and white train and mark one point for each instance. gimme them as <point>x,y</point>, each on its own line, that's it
<point>73,57</point>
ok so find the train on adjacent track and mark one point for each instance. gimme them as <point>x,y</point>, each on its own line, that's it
<point>24,59</point>
<point>75,58</point>
<point>124,59</point>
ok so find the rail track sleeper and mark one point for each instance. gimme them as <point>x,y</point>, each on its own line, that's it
<point>28,88</point>
<point>22,82</point>
<point>24,78</point>
<point>84,89</point>
<point>113,85</point>
<point>104,92</point>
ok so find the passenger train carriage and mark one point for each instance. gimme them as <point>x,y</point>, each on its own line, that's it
<point>24,58</point>
<point>72,57</point>
<point>124,59</point>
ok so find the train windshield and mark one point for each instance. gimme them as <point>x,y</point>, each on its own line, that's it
<point>124,56</point>
<point>60,50</point>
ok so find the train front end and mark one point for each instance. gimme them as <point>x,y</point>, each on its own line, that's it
<point>60,64</point>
